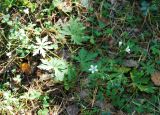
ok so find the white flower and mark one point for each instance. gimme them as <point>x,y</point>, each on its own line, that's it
<point>120,43</point>
<point>127,49</point>
<point>26,11</point>
<point>93,69</point>
<point>42,46</point>
<point>9,54</point>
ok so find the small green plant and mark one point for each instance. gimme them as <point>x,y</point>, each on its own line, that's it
<point>32,94</point>
<point>59,67</point>
<point>105,48</point>
<point>71,78</point>
<point>140,81</point>
<point>43,111</point>
<point>85,59</point>
<point>9,103</point>
<point>41,46</point>
<point>75,29</point>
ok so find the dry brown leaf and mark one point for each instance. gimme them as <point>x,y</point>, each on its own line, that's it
<point>45,77</point>
<point>26,68</point>
<point>156,78</point>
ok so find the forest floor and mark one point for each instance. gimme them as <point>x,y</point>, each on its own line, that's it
<point>80,57</point>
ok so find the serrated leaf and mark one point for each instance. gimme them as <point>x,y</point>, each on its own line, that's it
<point>146,88</point>
<point>41,46</point>
<point>141,82</point>
<point>75,29</point>
<point>58,66</point>
<point>85,58</point>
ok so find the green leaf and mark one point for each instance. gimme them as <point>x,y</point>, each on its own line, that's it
<point>56,3</point>
<point>146,88</point>
<point>43,111</point>
<point>75,29</point>
<point>149,67</point>
<point>85,58</point>
<point>35,94</point>
<point>41,46</point>
<point>30,5</point>
<point>109,32</point>
<point>5,18</point>
<point>70,79</point>
<point>58,66</point>
<point>141,82</point>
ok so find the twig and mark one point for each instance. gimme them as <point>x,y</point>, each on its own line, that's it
<point>94,95</point>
